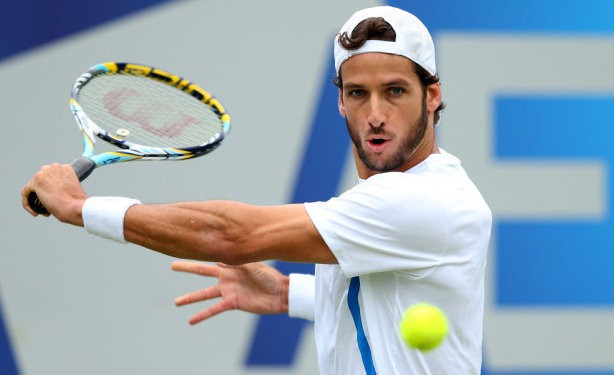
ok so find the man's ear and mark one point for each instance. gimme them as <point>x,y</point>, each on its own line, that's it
<point>340,103</point>
<point>433,97</point>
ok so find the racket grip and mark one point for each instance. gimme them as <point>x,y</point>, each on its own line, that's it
<point>83,167</point>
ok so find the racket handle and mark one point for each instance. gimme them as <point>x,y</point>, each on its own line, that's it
<point>36,205</point>
<point>83,167</point>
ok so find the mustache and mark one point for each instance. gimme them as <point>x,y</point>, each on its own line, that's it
<point>379,131</point>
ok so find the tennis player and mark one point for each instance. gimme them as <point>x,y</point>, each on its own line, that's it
<point>415,229</point>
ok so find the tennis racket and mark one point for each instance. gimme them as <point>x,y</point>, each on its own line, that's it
<point>144,112</point>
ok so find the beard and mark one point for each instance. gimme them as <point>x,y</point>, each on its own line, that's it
<point>406,149</point>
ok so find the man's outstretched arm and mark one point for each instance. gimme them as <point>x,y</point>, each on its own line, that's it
<point>224,231</point>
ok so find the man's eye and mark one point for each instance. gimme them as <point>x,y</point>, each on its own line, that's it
<point>396,91</point>
<point>357,93</point>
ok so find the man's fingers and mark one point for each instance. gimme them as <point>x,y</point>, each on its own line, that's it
<point>198,296</point>
<point>50,178</point>
<point>203,269</point>
<point>26,204</point>
<point>218,308</point>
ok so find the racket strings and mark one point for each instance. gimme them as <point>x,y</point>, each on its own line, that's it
<point>148,112</point>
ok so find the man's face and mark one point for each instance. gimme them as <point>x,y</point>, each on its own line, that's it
<point>386,112</point>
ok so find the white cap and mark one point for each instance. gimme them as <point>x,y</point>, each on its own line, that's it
<point>412,38</point>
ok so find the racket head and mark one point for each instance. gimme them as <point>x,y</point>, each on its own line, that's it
<point>147,112</point>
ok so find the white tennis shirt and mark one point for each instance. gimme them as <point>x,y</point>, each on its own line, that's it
<point>417,236</point>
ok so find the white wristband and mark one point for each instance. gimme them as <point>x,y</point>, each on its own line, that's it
<point>301,296</point>
<point>104,216</point>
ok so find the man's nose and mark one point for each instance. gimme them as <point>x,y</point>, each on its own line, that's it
<point>376,116</point>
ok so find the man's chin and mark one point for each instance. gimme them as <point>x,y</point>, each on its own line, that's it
<point>380,165</point>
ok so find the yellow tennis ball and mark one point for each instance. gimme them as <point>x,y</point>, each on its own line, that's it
<point>423,326</point>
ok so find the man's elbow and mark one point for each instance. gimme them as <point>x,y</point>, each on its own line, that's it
<point>236,252</point>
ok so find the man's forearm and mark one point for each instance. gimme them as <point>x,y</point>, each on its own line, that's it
<point>193,230</point>
<point>220,231</point>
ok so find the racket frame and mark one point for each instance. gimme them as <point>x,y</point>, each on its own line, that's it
<point>132,151</point>
<point>88,161</point>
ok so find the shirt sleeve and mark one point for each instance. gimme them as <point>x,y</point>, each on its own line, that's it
<point>391,221</point>
<point>301,296</point>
